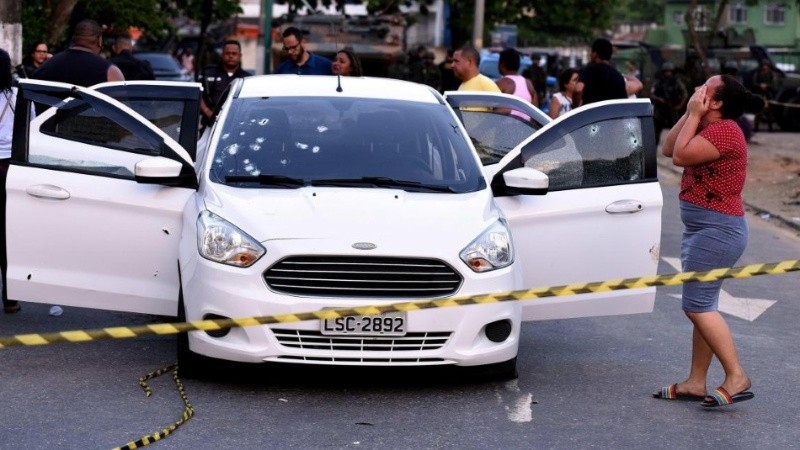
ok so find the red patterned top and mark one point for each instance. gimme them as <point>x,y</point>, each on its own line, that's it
<point>718,185</point>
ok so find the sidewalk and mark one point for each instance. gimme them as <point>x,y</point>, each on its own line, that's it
<point>772,189</point>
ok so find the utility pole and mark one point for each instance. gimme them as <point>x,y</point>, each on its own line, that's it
<point>267,13</point>
<point>11,29</point>
<point>477,25</point>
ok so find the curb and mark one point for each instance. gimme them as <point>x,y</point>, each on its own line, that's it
<point>757,209</point>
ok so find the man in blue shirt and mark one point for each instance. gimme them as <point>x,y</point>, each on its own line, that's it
<point>300,61</point>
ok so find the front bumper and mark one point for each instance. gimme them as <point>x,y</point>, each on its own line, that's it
<point>448,335</point>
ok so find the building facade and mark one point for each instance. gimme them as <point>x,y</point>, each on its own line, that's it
<point>768,23</point>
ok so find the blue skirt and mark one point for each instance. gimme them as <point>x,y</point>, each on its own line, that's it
<point>711,240</point>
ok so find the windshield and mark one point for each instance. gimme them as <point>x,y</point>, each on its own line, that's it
<point>290,142</point>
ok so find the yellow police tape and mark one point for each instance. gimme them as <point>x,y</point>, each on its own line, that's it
<point>188,410</point>
<point>521,295</point>
<point>785,105</point>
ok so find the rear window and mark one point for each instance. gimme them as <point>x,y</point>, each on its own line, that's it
<point>311,140</point>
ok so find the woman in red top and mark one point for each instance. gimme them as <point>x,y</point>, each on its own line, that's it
<point>711,148</point>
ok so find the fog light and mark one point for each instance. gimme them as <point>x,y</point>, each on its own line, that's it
<point>216,333</point>
<point>498,331</point>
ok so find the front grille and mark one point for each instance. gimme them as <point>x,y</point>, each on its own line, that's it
<point>361,361</point>
<point>354,276</point>
<point>314,340</point>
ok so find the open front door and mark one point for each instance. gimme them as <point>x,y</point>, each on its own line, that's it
<point>601,216</point>
<point>84,227</point>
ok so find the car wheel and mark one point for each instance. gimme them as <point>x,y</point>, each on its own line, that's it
<point>190,364</point>
<point>502,371</point>
<point>506,371</point>
<point>791,115</point>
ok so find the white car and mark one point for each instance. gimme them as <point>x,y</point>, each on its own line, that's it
<point>317,192</point>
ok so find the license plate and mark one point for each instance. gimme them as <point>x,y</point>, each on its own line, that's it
<point>387,324</point>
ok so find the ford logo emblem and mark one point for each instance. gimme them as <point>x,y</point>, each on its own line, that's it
<point>364,246</point>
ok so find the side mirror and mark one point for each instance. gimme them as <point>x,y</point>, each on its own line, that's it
<point>525,181</point>
<point>159,170</point>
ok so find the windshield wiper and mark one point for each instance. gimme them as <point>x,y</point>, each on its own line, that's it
<point>382,182</point>
<point>267,180</point>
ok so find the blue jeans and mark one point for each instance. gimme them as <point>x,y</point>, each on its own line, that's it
<point>710,240</point>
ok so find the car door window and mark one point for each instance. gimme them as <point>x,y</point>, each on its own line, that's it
<point>172,107</point>
<point>67,130</point>
<point>496,123</point>
<point>85,131</point>
<point>603,153</point>
<point>495,132</point>
<point>165,114</point>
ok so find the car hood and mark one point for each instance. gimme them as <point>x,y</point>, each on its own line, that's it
<point>390,218</point>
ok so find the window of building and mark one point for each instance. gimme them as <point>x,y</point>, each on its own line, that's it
<point>774,14</point>
<point>677,18</point>
<point>737,13</point>
<point>702,18</point>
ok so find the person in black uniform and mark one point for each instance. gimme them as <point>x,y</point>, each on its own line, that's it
<point>215,79</point>
<point>449,82</point>
<point>81,64</point>
<point>132,68</point>
<point>599,80</point>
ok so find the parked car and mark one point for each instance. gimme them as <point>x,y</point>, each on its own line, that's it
<point>165,66</point>
<point>318,192</point>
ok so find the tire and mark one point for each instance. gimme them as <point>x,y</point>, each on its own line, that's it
<point>506,371</point>
<point>190,364</point>
<point>791,115</point>
<point>502,371</point>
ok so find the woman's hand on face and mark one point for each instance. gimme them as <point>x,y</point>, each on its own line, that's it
<point>698,103</point>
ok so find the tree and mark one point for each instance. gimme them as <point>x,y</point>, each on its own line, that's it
<point>10,39</point>
<point>207,12</point>
<point>639,11</point>
<point>50,20</point>
<point>539,22</point>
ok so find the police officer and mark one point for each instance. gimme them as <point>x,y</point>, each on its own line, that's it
<point>215,79</point>
<point>132,68</point>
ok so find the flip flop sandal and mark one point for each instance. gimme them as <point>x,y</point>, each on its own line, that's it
<point>721,397</point>
<point>671,393</point>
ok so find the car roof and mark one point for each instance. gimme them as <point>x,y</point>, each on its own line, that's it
<point>326,86</point>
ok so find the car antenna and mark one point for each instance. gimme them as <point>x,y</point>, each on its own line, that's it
<point>338,47</point>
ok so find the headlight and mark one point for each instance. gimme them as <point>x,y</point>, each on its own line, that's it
<point>220,241</point>
<point>491,250</point>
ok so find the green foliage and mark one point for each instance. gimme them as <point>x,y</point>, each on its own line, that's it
<point>34,23</point>
<point>118,15</point>
<point>639,11</point>
<point>214,10</point>
<point>153,16</point>
<point>539,22</point>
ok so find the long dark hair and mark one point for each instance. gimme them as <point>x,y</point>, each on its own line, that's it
<point>736,99</point>
<point>355,64</point>
<point>564,77</point>
<point>5,70</point>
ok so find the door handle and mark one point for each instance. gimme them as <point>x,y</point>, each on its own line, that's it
<point>625,207</point>
<point>47,191</point>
